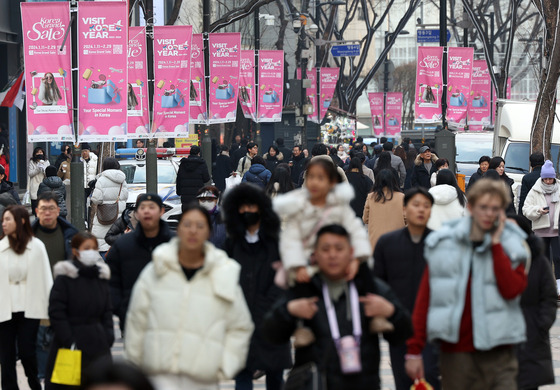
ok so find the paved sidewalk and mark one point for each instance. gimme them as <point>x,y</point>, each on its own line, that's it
<point>385,368</point>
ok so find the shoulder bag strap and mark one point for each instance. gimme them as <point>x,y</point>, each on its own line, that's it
<point>119,195</point>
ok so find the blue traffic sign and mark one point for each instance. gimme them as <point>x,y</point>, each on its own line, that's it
<point>345,50</point>
<point>430,35</point>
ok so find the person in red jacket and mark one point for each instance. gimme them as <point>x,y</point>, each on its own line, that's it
<point>468,298</point>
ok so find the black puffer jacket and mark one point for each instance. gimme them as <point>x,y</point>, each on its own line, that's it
<point>279,325</point>
<point>8,187</point>
<point>257,281</point>
<point>192,176</point>
<point>80,312</point>
<point>221,171</point>
<point>55,184</point>
<point>126,221</point>
<point>127,258</point>
<point>538,303</point>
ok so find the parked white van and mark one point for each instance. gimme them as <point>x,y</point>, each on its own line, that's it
<point>512,134</point>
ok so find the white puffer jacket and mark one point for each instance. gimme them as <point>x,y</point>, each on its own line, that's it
<point>106,192</point>
<point>446,206</point>
<point>302,221</point>
<point>90,168</point>
<point>36,172</point>
<point>535,201</point>
<point>199,328</point>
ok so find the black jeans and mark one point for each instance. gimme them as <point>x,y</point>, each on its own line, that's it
<point>244,380</point>
<point>22,332</point>
<point>552,247</point>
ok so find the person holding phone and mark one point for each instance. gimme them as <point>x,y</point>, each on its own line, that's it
<point>543,210</point>
<point>469,296</point>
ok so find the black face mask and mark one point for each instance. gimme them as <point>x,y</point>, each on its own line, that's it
<point>40,157</point>
<point>250,219</point>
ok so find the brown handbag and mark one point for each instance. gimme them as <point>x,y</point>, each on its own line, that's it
<point>107,214</point>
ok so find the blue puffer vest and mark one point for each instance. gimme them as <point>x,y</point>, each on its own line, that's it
<point>450,256</point>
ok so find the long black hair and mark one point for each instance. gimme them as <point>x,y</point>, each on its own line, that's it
<point>355,163</point>
<point>282,176</point>
<point>384,161</point>
<point>445,176</point>
<point>385,181</point>
<point>35,151</point>
<point>249,194</point>
<point>495,163</point>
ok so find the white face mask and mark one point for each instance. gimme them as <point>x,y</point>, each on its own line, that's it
<point>89,257</point>
<point>208,204</point>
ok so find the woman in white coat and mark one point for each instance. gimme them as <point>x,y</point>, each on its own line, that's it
<point>110,187</point>
<point>542,208</point>
<point>449,200</point>
<point>25,283</point>
<point>188,324</point>
<point>36,171</point>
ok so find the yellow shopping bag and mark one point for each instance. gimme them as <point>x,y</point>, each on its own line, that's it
<point>68,367</point>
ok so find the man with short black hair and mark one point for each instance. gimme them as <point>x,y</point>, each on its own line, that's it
<point>245,162</point>
<point>56,233</point>
<point>132,251</point>
<point>236,144</point>
<point>139,143</point>
<point>399,261</point>
<point>396,162</point>
<point>239,153</point>
<point>483,164</point>
<point>192,175</point>
<point>283,149</point>
<point>330,301</point>
<point>537,161</point>
<point>297,163</point>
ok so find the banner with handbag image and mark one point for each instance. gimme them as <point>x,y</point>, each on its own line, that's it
<point>68,367</point>
<point>107,214</point>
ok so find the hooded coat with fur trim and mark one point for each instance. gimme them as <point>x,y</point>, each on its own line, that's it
<point>420,175</point>
<point>272,162</point>
<point>198,328</point>
<point>303,221</point>
<point>80,313</point>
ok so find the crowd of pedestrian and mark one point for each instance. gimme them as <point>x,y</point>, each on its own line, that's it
<point>317,254</point>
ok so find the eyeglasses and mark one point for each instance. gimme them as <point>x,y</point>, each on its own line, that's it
<point>49,208</point>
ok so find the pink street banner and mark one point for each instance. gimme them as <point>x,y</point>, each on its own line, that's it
<point>172,74</point>
<point>247,94</point>
<point>376,106</point>
<point>103,64</point>
<point>459,76</point>
<point>48,71</point>
<point>311,93</point>
<point>271,85</point>
<point>429,80</point>
<point>479,103</point>
<point>225,58</point>
<point>138,123</point>
<point>393,117</point>
<point>198,109</point>
<point>329,78</point>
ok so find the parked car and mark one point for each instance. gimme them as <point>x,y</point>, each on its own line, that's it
<point>470,147</point>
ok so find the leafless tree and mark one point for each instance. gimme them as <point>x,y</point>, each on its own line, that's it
<point>404,78</point>
<point>545,109</point>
